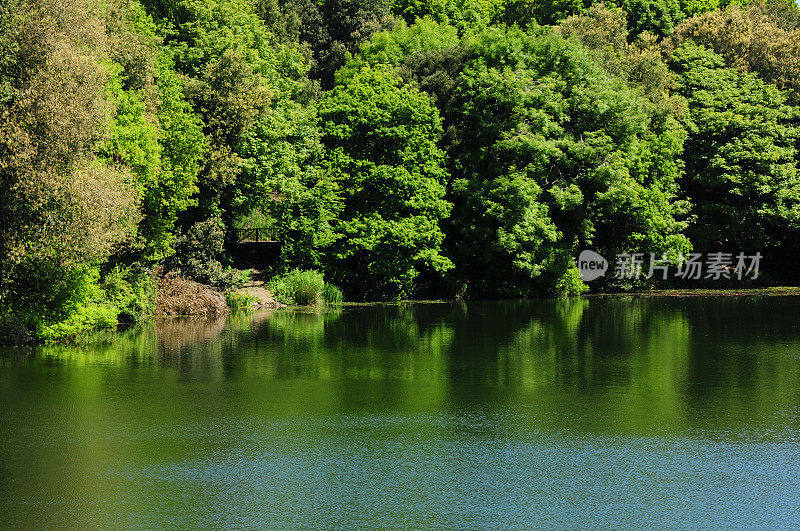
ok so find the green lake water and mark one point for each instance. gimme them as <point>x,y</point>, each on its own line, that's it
<point>667,412</point>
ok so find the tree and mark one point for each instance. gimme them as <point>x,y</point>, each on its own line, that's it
<point>284,175</point>
<point>183,146</point>
<point>236,72</point>
<point>741,170</point>
<point>550,155</point>
<point>526,12</point>
<point>466,15</point>
<point>554,156</point>
<point>640,63</point>
<point>658,17</point>
<point>381,136</point>
<point>327,30</point>
<point>762,38</point>
<point>334,29</point>
<point>155,131</point>
<point>64,209</point>
<point>427,52</point>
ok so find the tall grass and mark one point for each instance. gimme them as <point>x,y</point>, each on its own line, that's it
<point>331,294</point>
<point>304,288</point>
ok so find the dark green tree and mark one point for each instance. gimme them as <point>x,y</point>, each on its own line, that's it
<point>155,131</point>
<point>525,12</point>
<point>659,17</point>
<point>236,73</point>
<point>741,167</point>
<point>549,155</point>
<point>328,30</point>
<point>553,156</point>
<point>466,15</point>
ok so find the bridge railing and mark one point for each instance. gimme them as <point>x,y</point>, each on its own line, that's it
<point>256,234</point>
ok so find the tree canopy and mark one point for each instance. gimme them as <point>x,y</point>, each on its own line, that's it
<point>741,154</point>
<point>406,148</point>
<point>381,137</point>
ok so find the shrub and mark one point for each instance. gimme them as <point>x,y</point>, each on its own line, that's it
<point>241,277</point>
<point>85,308</point>
<point>84,318</point>
<point>72,303</point>
<point>239,300</point>
<point>199,256</point>
<point>303,288</point>
<point>570,284</point>
<point>13,330</point>
<point>132,291</point>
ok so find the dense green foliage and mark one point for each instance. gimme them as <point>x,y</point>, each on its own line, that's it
<point>200,256</point>
<point>763,38</point>
<point>551,155</point>
<point>284,176</point>
<point>741,160</point>
<point>303,288</point>
<point>413,148</point>
<point>381,136</point>
<point>555,156</point>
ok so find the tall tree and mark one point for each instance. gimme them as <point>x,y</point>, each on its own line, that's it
<point>741,170</point>
<point>381,135</point>
<point>763,38</point>
<point>553,156</point>
<point>64,209</point>
<point>549,155</point>
<point>285,176</point>
<point>640,63</point>
<point>236,72</point>
<point>155,131</point>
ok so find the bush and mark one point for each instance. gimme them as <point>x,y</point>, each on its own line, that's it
<point>199,256</point>
<point>132,291</point>
<point>84,318</point>
<point>68,303</point>
<point>239,300</point>
<point>85,309</point>
<point>303,288</point>
<point>13,330</point>
<point>124,295</point>
<point>571,284</point>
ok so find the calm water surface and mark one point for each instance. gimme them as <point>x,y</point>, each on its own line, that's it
<point>602,412</point>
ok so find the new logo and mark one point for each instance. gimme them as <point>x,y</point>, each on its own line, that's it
<point>591,265</point>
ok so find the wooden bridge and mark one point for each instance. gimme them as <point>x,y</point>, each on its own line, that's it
<point>256,235</point>
<point>255,247</point>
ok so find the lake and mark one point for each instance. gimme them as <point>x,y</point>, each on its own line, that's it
<point>601,412</point>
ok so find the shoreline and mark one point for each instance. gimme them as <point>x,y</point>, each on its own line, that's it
<point>776,291</point>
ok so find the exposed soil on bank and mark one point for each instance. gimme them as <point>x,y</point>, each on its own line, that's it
<point>179,296</point>
<point>257,287</point>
